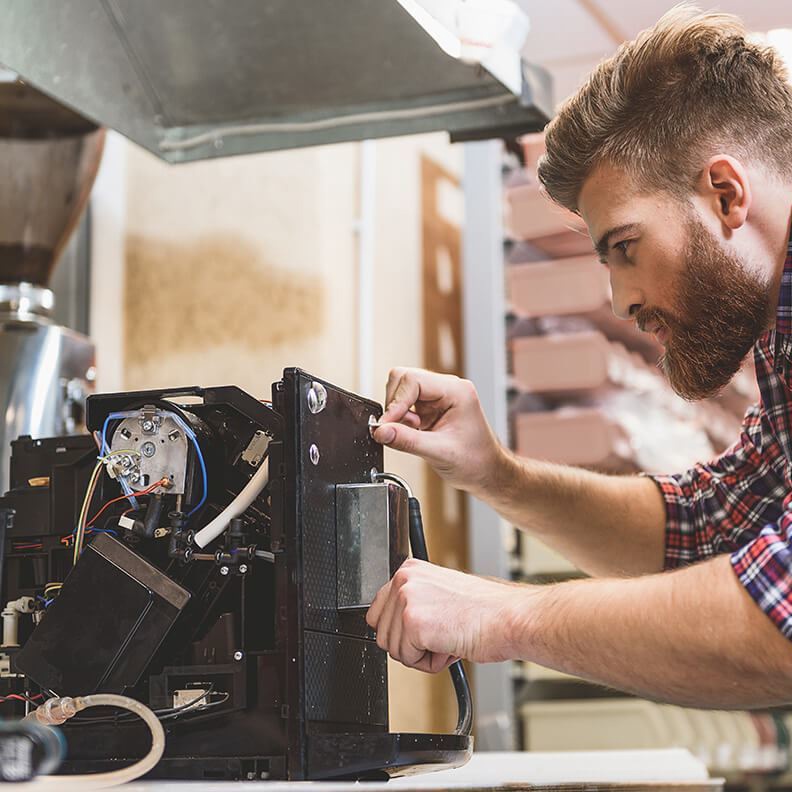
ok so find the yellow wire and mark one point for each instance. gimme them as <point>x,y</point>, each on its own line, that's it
<point>120,451</point>
<point>78,537</point>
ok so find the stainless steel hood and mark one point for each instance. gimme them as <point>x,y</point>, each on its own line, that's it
<point>193,79</point>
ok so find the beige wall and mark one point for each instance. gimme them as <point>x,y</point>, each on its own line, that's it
<point>238,268</point>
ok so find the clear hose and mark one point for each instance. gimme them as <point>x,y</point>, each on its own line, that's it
<point>56,711</point>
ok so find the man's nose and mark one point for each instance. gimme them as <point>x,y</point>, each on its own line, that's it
<point>627,297</point>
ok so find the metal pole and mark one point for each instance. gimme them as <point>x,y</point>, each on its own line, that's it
<point>485,355</point>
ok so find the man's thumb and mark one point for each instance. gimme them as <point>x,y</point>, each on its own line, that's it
<point>404,438</point>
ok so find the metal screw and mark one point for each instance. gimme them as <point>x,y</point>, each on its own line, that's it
<point>148,449</point>
<point>317,397</point>
<point>223,570</point>
<point>242,569</point>
<point>238,655</point>
<point>173,435</point>
<point>373,474</point>
<point>148,425</point>
<point>313,452</point>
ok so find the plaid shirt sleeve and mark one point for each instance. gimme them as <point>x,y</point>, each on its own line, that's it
<point>722,505</point>
<point>738,504</point>
<point>764,567</point>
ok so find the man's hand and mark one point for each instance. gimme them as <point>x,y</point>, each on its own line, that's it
<point>439,418</point>
<point>427,616</point>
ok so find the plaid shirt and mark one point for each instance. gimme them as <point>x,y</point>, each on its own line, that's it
<point>741,503</point>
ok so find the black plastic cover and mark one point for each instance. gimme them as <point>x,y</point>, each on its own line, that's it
<point>111,615</point>
<point>6,516</point>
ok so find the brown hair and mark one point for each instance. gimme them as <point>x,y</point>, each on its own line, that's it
<point>679,92</point>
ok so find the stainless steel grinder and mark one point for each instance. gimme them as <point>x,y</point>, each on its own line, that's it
<point>49,156</point>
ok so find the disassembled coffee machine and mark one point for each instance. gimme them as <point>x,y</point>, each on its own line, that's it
<point>213,557</point>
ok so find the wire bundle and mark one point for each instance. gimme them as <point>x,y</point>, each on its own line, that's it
<point>22,697</point>
<point>79,532</point>
<point>83,522</point>
<point>185,427</point>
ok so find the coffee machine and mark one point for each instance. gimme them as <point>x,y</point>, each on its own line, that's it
<point>49,156</point>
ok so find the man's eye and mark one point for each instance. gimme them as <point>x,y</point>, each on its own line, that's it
<point>622,246</point>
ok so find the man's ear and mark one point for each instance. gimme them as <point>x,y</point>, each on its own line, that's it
<point>726,189</point>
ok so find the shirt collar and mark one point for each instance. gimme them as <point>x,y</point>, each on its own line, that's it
<point>784,310</point>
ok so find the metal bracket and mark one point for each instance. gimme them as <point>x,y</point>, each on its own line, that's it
<point>256,448</point>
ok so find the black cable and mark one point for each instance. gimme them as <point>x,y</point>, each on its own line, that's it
<point>419,550</point>
<point>163,714</point>
<point>461,686</point>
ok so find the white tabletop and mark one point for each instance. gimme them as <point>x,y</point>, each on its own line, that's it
<point>621,770</point>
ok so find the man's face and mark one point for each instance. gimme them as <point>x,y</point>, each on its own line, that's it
<point>673,276</point>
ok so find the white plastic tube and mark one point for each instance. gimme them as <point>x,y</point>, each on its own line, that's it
<point>247,495</point>
<point>57,714</point>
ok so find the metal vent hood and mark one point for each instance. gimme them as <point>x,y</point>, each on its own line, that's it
<point>193,79</point>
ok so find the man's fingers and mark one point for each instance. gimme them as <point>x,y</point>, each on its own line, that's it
<point>409,653</point>
<point>408,386</point>
<point>433,663</point>
<point>395,630</point>
<point>411,441</point>
<point>385,623</point>
<point>375,610</point>
<point>412,420</point>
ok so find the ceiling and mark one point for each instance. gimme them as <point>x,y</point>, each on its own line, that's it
<point>569,37</point>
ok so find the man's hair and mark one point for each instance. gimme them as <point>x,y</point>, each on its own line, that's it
<point>687,88</point>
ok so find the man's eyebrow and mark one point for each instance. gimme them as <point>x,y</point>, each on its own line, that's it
<point>602,245</point>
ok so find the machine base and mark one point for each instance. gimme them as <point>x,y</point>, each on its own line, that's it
<point>353,757</point>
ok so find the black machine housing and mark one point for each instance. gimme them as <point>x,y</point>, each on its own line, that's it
<point>293,683</point>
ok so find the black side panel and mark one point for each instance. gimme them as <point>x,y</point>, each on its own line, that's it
<point>332,693</point>
<point>6,517</point>
<point>335,688</point>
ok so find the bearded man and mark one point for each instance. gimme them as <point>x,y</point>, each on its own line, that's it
<point>677,153</point>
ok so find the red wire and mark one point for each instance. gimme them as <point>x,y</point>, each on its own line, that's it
<point>123,497</point>
<point>14,697</point>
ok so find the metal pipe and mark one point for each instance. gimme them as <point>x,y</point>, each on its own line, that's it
<point>366,236</point>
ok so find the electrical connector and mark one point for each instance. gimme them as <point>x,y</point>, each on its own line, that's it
<point>54,711</point>
<point>185,697</point>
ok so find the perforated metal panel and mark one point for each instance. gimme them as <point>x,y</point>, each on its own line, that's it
<point>346,455</point>
<point>332,694</point>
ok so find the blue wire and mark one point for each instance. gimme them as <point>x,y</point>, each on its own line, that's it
<point>104,449</point>
<point>203,473</point>
<point>189,432</point>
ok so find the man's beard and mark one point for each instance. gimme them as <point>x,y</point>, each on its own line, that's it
<point>721,310</point>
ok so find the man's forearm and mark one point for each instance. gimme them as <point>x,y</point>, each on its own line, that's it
<point>691,637</point>
<point>605,525</point>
